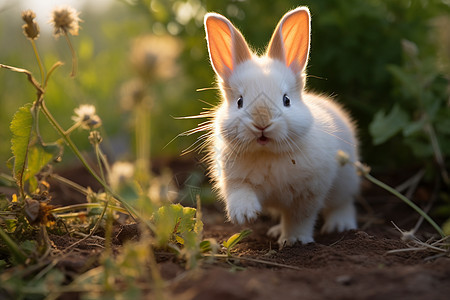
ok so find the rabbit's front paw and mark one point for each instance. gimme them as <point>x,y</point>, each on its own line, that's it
<point>274,231</point>
<point>243,208</point>
<point>284,241</point>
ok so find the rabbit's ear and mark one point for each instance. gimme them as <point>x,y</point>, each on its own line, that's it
<point>290,40</point>
<point>226,45</point>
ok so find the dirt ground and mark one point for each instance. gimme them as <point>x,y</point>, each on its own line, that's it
<point>350,265</point>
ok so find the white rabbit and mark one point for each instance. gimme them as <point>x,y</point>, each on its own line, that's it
<point>273,146</point>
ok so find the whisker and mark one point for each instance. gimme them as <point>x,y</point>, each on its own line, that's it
<point>171,141</point>
<point>206,102</point>
<point>207,89</point>
<point>199,116</point>
<point>205,126</point>
<point>194,147</point>
<point>199,144</point>
<point>338,137</point>
<point>200,128</point>
<point>317,77</point>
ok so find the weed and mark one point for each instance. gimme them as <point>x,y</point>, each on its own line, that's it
<point>235,239</point>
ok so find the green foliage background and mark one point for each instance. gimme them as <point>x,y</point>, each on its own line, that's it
<point>356,45</point>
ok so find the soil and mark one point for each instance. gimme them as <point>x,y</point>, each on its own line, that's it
<point>354,264</point>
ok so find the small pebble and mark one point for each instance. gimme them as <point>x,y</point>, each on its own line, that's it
<point>344,279</point>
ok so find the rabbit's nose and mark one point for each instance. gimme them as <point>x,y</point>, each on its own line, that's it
<point>262,117</point>
<point>262,128</point>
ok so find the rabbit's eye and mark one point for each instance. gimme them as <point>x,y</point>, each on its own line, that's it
<point>286,101</point>
<point>240,102</point>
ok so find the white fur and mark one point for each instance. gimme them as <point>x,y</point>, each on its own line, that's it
<point>296,173</point>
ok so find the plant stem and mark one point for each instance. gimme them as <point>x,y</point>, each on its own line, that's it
<point>74,56</point>
<point>142,145</point>
<point>101,161</point>
<point>52,69</point>
<point>38,58</point>
<point>260,261</point>
<point>72,128</point>
<point>437,151</point>
<point>83,206</point>
<point>406,200</point>
<point>93,230</point>
<point>70,183</point>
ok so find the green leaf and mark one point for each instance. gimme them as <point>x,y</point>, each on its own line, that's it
<point>236,238</point>
<point>383,126</point>
<point>414,127</point>
<point>21,127</point>
<point>39,155</point>
<point>173,221</point>
<point>205,246</point>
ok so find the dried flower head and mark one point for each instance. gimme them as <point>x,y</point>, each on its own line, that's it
<point>342,157</point>
<point>65,20</point>
<point>95,137</point>
<point>132,93</point>
<point>85,115</point>
<point>30,28</point>
<point>362,169</point>
<point>121,172</point>
<point>155,56</point>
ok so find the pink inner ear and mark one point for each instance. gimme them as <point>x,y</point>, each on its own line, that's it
<point>227,47</point>
<point>290,41</point>
<point>295,32</point>
<point>219,41</point>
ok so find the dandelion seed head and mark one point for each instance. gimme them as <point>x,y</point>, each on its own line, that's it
<point>86,116</point>
<point>31,28</point>
<point>65,20</point>
<point>132,93</point>
<point>155,56</point>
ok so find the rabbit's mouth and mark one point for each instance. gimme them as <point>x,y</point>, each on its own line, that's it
<point>262,140</point>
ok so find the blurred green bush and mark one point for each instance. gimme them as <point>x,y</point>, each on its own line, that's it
<point>356,55</point>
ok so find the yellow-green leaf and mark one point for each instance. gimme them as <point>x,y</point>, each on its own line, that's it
<point>236,238</point>
<point>21,128</point>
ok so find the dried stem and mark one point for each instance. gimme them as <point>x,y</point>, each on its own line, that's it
<point>74,55</point>
<point>406,200</point>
